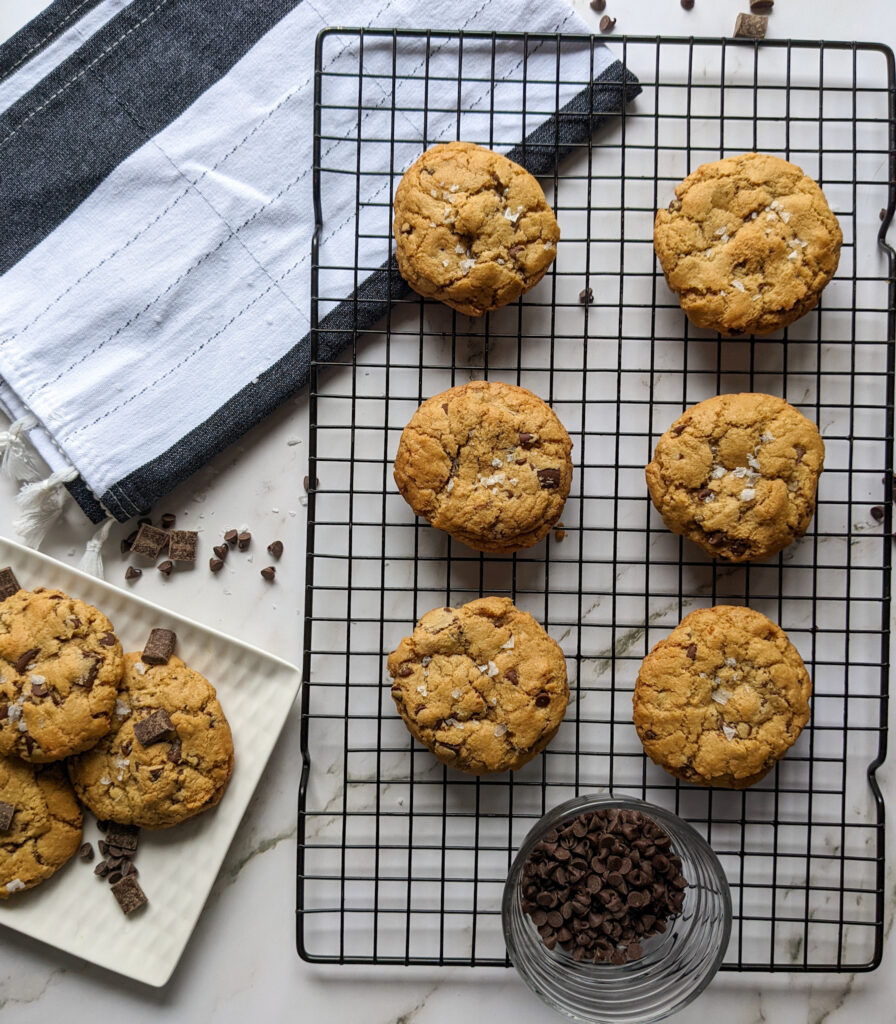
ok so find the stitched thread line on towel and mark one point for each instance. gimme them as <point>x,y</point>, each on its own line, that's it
<point>8,72</point>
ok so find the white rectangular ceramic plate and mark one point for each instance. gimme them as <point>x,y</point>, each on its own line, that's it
<point>178,866</point>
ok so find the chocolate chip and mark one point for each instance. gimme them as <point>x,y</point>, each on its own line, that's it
<point>586,296</point>
<point>215,564</point>
<point>114,877</point>
<point>761,6</point>
<point>607,23</point>
<point>150,542</point>
<point>129,894</point>
<point>159,647</point>
<point>882,214</point>
<point>526,440</point>
<point>86,853</point>
<point>691,652</point>
<point>444,407</point>
<point>511,676</point>
<point>800,452</point>
<point>38,690</point>
<point>166,567</point>
<point>155,774</point>
<point>154,728</point>
<point>107,639</point>
<point>750,26</point>
<point>598,5</point>
<point>23,660</point>
<point>183,545</point>
<point>244,540</point>
<point>549,479</point>
<point>877,512</point>
<point>704,494</point>
<point>128,868</point>
<point>542,700</point>
<point>9,585</point>
<point>7,811</point>
<point>231,536</point>
<point>174,752</point>
<point>688,5</point>
<point>127,747</point>
<point>220,551</point>
<point>102,869</point>
<point>89,678</point>
<point>168,520</point>
<point>275,550</point>
<point>739,546</point>
<point>132,573</point>
<point>268,573</point>
<point>114,862</point>
<point>306,483</point>
<point>716,538</point>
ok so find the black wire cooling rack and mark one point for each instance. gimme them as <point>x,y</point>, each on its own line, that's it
<point>402,861</point>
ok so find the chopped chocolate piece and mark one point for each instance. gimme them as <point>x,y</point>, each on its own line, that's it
<point>549,479</point>
<point>882,214</point>
<point>704,494</point>
<point>6,815</point>
<point>86,852</point>
<point>89,678</point>
<point>128,542</point>
<point>9,585</point>
<point>124,837</point>
<point>104,847</point>
<point>688,5</point>
<point>800,452</point>
<point>691,652</point>
<point>750,26</point>
<point>761,6</point>
<point>183,545</point>
<point>158,726</point>
<point>243,540</point>
<point>159,647</point>
<point>511,676</point>
<point>38,690</point>
<point>716,538</point>
<point>166,567</point>
<point>221,550</point>
<point>877,512</point>
<point>129,894</point>
<point>527,440</point>
<point>128,868</point>
<point>150,542</point>
<point>598,5</point>
<point>269,573</point>
<point>107,639</point>
<point>275,550</point>
<point>607,23</point>
<point>114,863</point>
<point>155,774</point>
<point>542,700</point>
<point>168,520</point>
<point>102,869</point>
<point>586,296</point>
<point>126,747</point>
<point>23,660</point>
<point>103,825</point>
<point>174,752</point>
<point>215,564</point>
<point>132,573</point>
<point>231,537</point>
<point>116,876</point>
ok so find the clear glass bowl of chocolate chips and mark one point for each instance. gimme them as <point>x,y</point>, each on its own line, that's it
<point>616,911</point>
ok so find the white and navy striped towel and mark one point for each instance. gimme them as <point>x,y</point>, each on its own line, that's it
<point>155,196</point>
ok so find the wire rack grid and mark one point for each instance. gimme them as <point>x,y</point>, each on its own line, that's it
<point>401,860</point>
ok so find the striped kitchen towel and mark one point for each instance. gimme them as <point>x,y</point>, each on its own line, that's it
<point>155,196</point>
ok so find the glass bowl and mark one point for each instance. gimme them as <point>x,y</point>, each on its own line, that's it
<point>675,967</point>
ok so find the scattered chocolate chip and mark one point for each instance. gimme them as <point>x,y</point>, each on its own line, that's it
<point>549,479</point>
<point>244,539</point>
<point>86,853</point>
<point>150,542</point>
<point>598,5</point>
<point>124,837</point>
<point>268,573</point>
<point>129,894</point>
<point>156,727</point>
<point>511,676</point>
<point>103,825</point>
<point>115,876</point>
<point>691,652</point>
<point>102,869</point>
<point>215,564</point>
<point>527,440</point>
<point>407,669</point>
<point>6,815</point>
<point>542,700</point>
<point>877,512</point>
<point>128,868</point>
<point>231,537</point>
<point>159,647</point>
<point>128,542</point>
<point>168,520</point>
<point>761,6</point>
<point>25,659</point>
<point>9,585</point>
<point>166,567</point>
<point>586,296</point>
<point>607,23</point>
<point>688,5</point>
<point>132,573</point>
<point>750,26</point>
<point>38,690</point>
<point>220,551</point>
<point>275,549</point>
<point>114,862</point>
<point>183,545</point>
<point>174,755</point>
<point>704,494</point>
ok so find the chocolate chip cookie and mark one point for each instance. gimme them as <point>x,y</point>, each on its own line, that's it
<point>40,823</point>
<point>488,463</point>
<point>482,686</point>
<point>472,228</point>
<point>748,244</point>
<point>60,666</point>
<point>722,698</point>
<point>737,474</point>
<point>169,755</point>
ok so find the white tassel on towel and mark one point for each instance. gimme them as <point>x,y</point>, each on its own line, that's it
<point>16,461</point>
<point>92,559</point>
<point>40,505</point>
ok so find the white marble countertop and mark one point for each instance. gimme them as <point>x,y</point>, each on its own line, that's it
<point>241,963</point>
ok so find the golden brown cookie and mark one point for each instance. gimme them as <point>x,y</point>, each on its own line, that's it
<point>722,698</point>
<point>482,686</point>
<point>737,474</point>
<point>472,228</point>
<point>748,244</point>
<point>60,665</point>
<point>488,463</point>
<point>180,771</point>
<point>45,827</point>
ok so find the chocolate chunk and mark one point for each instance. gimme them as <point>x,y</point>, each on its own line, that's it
<point>542,700</point>
<point>586,296</point>
<point>86,853</point>
<point>243,540</point>
<point>132,573</point>
<point>511,676</point>
<point>275,550</point>
<point>102,869</point>
<point>166,567</point>
<point>750,26</point>
<point>704,494</point>
<point>800,452</point>
<point>269,573</point>
<point>6,815</point>
<point>739,546</point>
<point>549,479</point>
<point>89,677</point>
<point>598,5</point>
<point>155,774</point>
<point>9,585</point>
<point>168,520</point>
<point>691,652</point>
<point>877,512</point>
<point>124,837</point>
<point>174,752</point>
<point>159,647</point>
<point>128,542</point>
<point>150,541</point>
<point>25,659</point>
<point>215,564</point>
<point>107,639</point>
<point>607,24</point>
<point>158,726</point>
<point>527,440</point>
<point>231,537</point>
<point>761,6</point>
<point>127,747</point>
<point>220,551</point>
<point>129,894</point>
<point>183,545</point>
<point>38,690</point>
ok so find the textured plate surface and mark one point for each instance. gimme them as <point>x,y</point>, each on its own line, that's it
<point>74,910</point>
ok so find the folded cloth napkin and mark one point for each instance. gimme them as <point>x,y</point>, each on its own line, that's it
<point>157,209</point>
